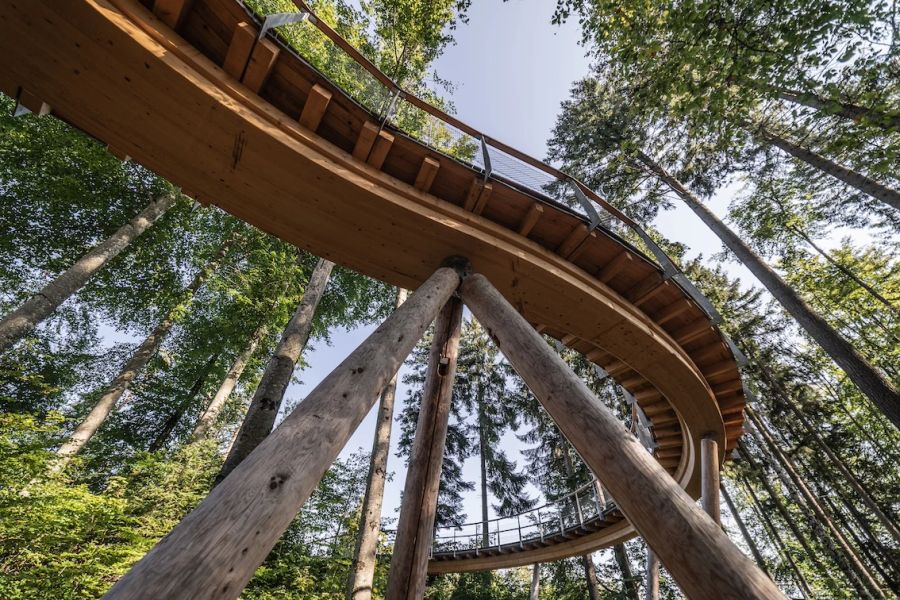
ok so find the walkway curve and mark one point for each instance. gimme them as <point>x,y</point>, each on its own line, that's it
<point>366,196</point>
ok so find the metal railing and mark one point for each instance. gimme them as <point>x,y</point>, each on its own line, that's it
<point>341,63</point>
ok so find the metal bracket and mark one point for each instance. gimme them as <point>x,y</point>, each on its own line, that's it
<point>278,19</point>
<point>488,170</point>
<point>586,204</point>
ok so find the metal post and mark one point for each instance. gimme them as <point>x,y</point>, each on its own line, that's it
<point>578,509</point>
<point>540,525</point>
<point>519,523</point>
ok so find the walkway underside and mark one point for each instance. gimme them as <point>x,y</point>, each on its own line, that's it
<point>377,202</point>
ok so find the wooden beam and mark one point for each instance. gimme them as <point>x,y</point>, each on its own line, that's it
<point>692,331</point>
<point>383,142</point>
<point>726,366</point>
<point>242,41</point>
<point>171,12</point>
<point>578,235</point>
<point>646,289</point>
<point>33,103</point>
<point>531,218</point>
<point>365,140</point>
<point>615,266</point>
<point>427,172</point>
<point>726,388</point>
<point>704,562</point>
<point>569,339</point>
<point>412,545</point>
<point>709,478</point>
<point>483,197</point>
<point>216,549</point>
<point>315,107</point>
<point>597,355</point>
<point>673,310</point>
<point>582,247</point>
<point>262,59</point>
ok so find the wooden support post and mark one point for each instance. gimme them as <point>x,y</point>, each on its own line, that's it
<point>575,238</point>
<point>365,141</point>
<point>483,198</point>
<point>427,172</point>
<point>478,196</point>
<point>409,561</point>
<point>215,550</point>
<point>314,109</point>
<point>651,591</point>
<point>383,143</point>
<point>709,478</point>
<point>704,562</point>
<point>262,59</point>
<point>242,41</point>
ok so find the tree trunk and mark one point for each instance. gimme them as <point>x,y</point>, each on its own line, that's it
<point>485,534</point>
<point>852,178</point>
<point>845,110</point>
<point>745,533</point>
<point>864,375</point>
<point>22,320</point>
<point>652,590</point>
<point>269,394</point>
<point>776,499</point>
<point>215,550</point>
<point>169,426</point>
<point>534,592</point>
<point>211,414</point>
<point>823,517</point>
<point>590,576</point>
<point>698,554</point>
<point>846,271</point>
<point>86,430</point>
<point>415,528</point>
<point>629,585</point>
<point>781,397</point>
<point>362,570</point>
<point>777,540</point>
<point>709,478</point>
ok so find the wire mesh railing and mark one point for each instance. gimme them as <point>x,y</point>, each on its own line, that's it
<point>322,47</point>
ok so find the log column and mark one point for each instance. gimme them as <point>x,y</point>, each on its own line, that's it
<point>215,550</point>
<point>693,547</point>
<point>409,561</point>
<point>709,478</point>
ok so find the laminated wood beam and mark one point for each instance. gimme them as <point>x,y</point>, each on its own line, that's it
<point>615,266</point>
<point>242,41</point>
<point>709,478</point>
<point>365,140</point>
<point>531,218</point>
<point>383,142</point>
<point>262,59</point>
<point>171,12</point>
<point>315,107</point>
<point>427,172</point>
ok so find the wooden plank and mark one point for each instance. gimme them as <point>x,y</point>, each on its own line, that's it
<point>632,382</point>
<point>531,218</point>
<point>365,141</point>
<point>597,355</point>
<point>427,172</point>
<point>726,366</point>
<point>617,368</point>
<point>615,266</point>
<point>729,387</point>
<point>315,107</point>
<point>569,339</point>
<point>171,12</point>
<point>242,41</point>
<point>582,247</point>
<point>472,196</point>
<point>33,103</point>
<point>263,57</point>
<point>483,197</point>
<point>578,234</point>
<point>709,478</point>
<point>645,289</point>
<point>383,142</point>
<point>646,396</point>
<point>692,331</point>
<point>672,311</point>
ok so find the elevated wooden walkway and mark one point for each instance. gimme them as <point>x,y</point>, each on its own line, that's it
<point>186,89</point>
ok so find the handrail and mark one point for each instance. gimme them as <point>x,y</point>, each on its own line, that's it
<point>670,269</point>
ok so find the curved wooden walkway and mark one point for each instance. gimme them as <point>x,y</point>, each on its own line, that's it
<point>186,89</point>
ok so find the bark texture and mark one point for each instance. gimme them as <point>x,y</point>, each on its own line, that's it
<point>651,591</point>
<point>209,416</point>
<point>215,550</point>
<point>104,406</point>
<point>870,382</point>
<point>629,585</point>
<point>845,110</point>
<point>535,590</point>
<point>854,179</point>
<point>269,394</point>
<point>362,570</point>
<point>22,320</point>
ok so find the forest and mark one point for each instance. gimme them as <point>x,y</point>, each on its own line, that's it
<point>148,341</point>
